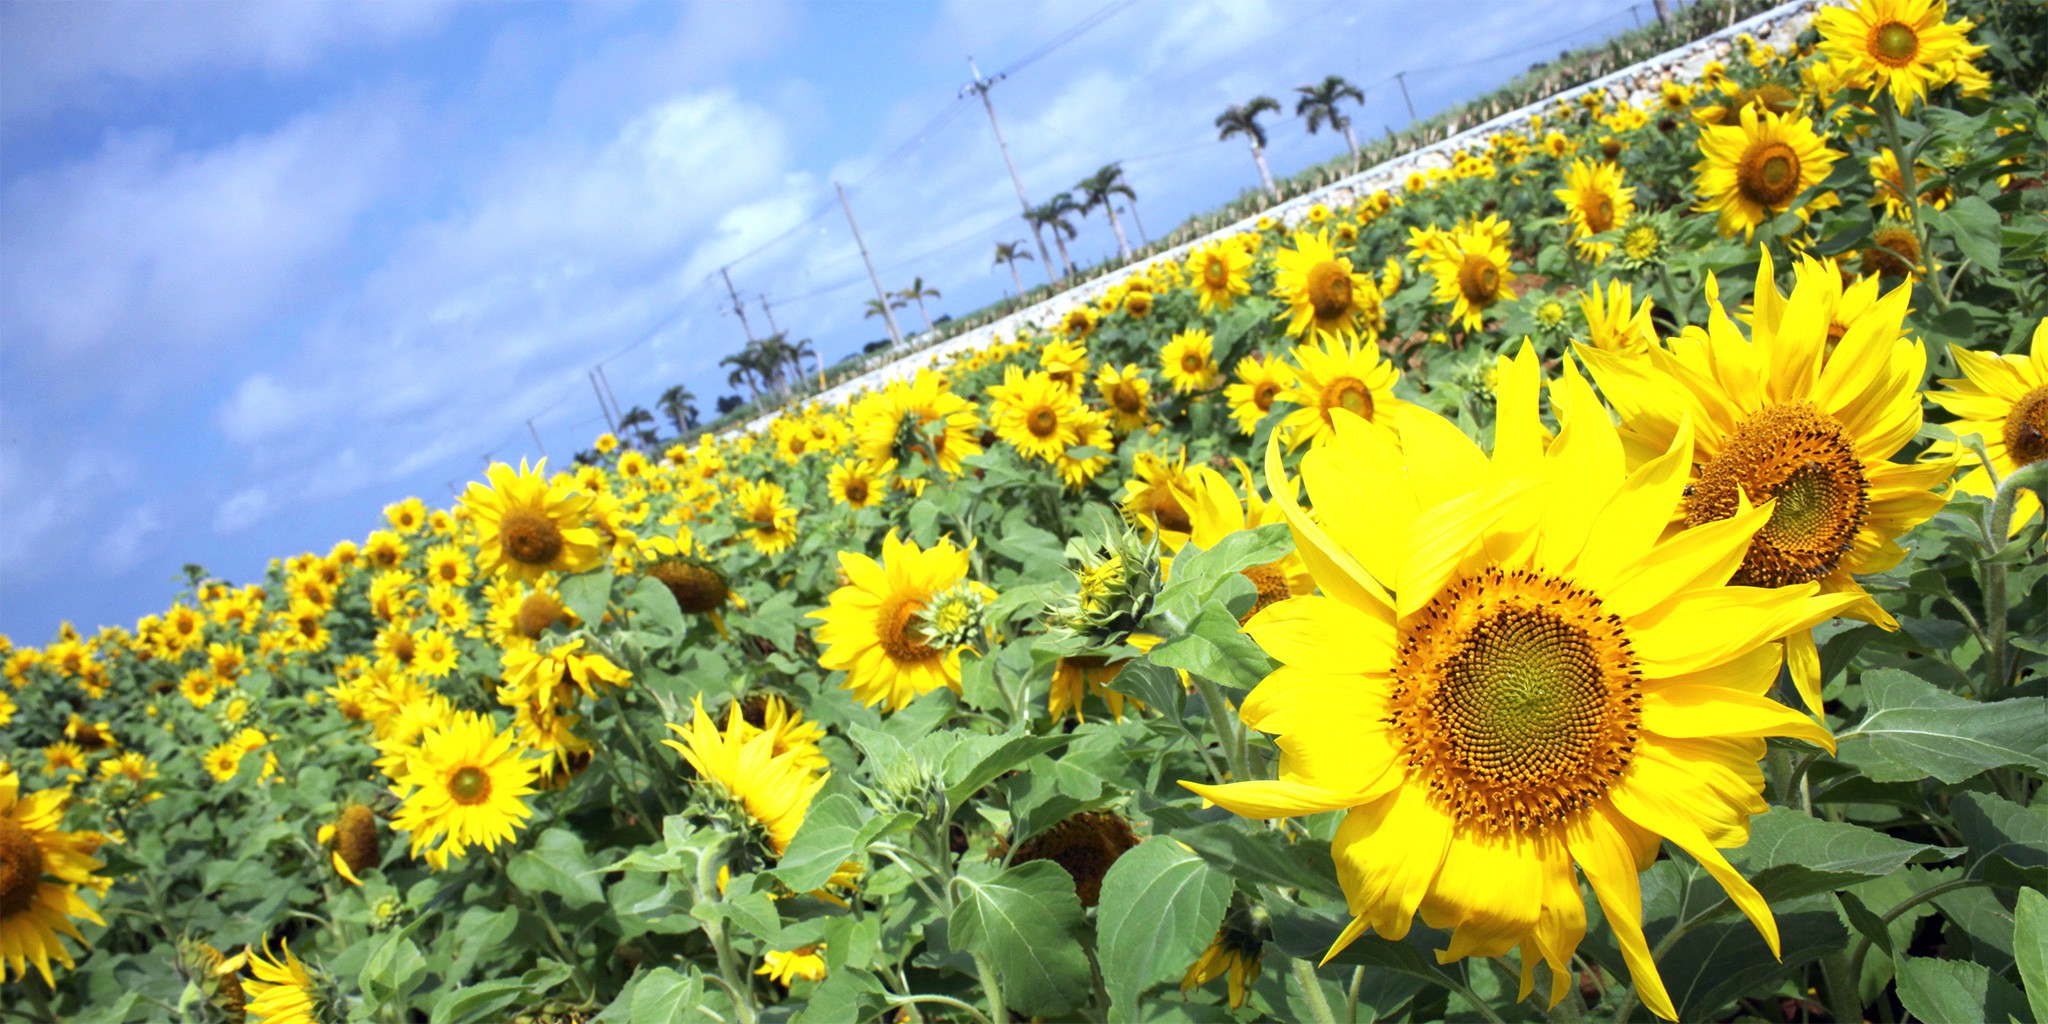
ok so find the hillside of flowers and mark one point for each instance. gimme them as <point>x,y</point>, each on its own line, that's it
<point>1602,580</point>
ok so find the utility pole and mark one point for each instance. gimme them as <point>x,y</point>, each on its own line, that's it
<point>772,329</point>
<point>981,86</point>
<point>611,426</point>
<point>536,439</point>
<point>1142,236</point>
<point>1663,13</point>
<point>724,272</point>
<point>881,296</point>
<point>1402,77</point>
<point>616,413</point>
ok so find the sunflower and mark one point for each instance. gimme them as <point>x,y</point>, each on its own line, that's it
<point>352,839</point>
<point>527,525</point>
<point>1065,360</point>
<point>1897,46</point>
<point>462,787</point>
<point>406,516</point>
<point>1889,186</point>
<point>385,550</point>
<point>1611,326</point>
<point>1091,430</point>
<point>1509,675</point>
<point>855,483</point>
<point>1780,418</point>
<point>1076,676</point>
<point>740,764</point>
<point>446,564</point>
<point>1470,265</point>
<point>1260,381</point>
<point>531,670</point>
<point>1158,494</point>
<point>1217,512</point>
<point>1325,297</point>
<point>64,759</point>
<point>802,962</point>
<point>1758,167</point>
<point>1219,271</point>
<point>1034,412</point>
<point>1126,394</point>
<point>281,990</point>
<point>871,627</point>
<point>42,868</point>
<point>435,654</point>
<point>2003,399</point>
<point>1596,202</point>
<point>792,735</point>
<point>920,417</point>
<point>766,518</point>
<point>1188,361</point>
<point>1238,951</point>
<point>1336,375</point>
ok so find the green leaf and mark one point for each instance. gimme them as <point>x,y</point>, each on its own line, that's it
<point>824,841</point>
<point>663,995</point>
<point>1914,730</point>
<point>557,864</point>
<point>1721,960</point>
<point>1213,647</point>
<point>1790,854</point>
<point>753,911</point>
<point>395,968</point>
<point>1027,922</point>
<point>1955,990</point>
<point>587,594</point>
<point>978,760</point>
<point>847,994</point>
<point>1257,856</point>
<point>1308,934</point>
<point>2030,946</point>
<point>1161,904</point>
<point>654,608</point>
<point>477,1003</point>
<point>2008,843</point>
<point>1197,574</point>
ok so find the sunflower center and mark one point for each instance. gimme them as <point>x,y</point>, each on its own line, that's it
<point>21,868</point>
<point>1167,511</point>
<point>1126,398</point>
<point>856,491</point>
<point>539,611</point>
<point>2026,428</point>
<point>469,785</point>
<point>530,537</point>
<point>900,633</point>
<point>1263,394</point>
<point>1798,456</point>
<point>1894,44</point>
<point>1769,174</point>
<point>1192,362</point>
<point>1271,581</point>
<point>1516,699</point>
<point>355,836</point>
<point>698,589</point>
<point>1479,280</point>
<point>1347,393</point>
<point>1042,422</point>
<point>1215,273</point>
<point>402,648</point>
<point>1600,214</point>
<point>1329,290</point>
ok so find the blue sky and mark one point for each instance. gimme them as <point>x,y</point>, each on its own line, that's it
<point>265,268</point>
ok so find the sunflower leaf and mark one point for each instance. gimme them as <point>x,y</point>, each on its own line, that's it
<point>2008,842</point>
<point>1161,904</point>
<point>977,761</point>
<point>1914,730</point>
<point>1215,648</point>
<point>1790,854</point>
<point>557,864</point>
<point>1027,922</point>
<point>587,594</point>
<point>825,840</point>
<point>1957,990</point>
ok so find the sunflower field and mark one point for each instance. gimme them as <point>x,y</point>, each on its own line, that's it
<point>1600,580</point>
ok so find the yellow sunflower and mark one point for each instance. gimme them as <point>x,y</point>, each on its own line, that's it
<point>530,670</point>
<point>1325,297</point>
<point>1034,412</point>
<point>855,483</point>
<point>1596,202</point>
<point>1509,675</point>
<point>527,525</point>
<point>42,868</point>
<point>873,629</point>
<point>1159,493</point>
<point>1779,418</point>
<point>1217,511</point>
<point>766,518</point>
<point>1091,430</point>
<point>1335,375</point>
<point>1235,954</point>
<point>1189,362</point>
<point>1065,360</point>
<point>1758,167</point>
<point>351,839</point>
<point>741,765</point>
<point>1899,46</point>
<point>1260,381</point>
<point>802,962</point>
<point>1611,325</point>
<point>282,991</point>
<point>920,417</point>
<point>463,786</point>
<point>2003,399</point>
<point>1126,394</point>
<point>1076,676</point>
<point>1470,265</point>
<point>1889,189</point>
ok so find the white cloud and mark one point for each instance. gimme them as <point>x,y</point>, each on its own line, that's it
<point>245,509</point>
<point>122,546</point>
<point>45,499</point>
<point>58,55</point>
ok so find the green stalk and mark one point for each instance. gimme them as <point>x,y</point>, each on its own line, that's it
<point>1227,733</point>
<point>721,943</point>
<point>1311,991</point>
<point>2034,478</point>
<point>996,1010</point>
<point>1888,112</point>
<point>1844,1002</point>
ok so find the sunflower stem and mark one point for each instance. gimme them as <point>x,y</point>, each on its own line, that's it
<point>1844,1002</point>
<point>1226,729</point>
<point>721,943</point>
<point>996,1010</point>
<point>1888,112</point>
<point>1311,991</point>
<point>2032,477</point>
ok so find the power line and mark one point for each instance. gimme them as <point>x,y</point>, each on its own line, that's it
<point>1080,28</point>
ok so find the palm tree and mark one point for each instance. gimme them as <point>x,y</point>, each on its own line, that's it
<point>1053,214</point>
<point>743,371</point>
<point>800,348</point>
<point>1010,253</point>
<point>771,355</point>
<point>640,423</point>
<point>1244,121</point>
<point>917,293</point>
<point>1101,189</point>
<point>1318,104</point>
<point>680,406</point>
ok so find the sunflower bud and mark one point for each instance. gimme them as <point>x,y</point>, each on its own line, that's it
<point>953,617</point>
<point>1119,575</point>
